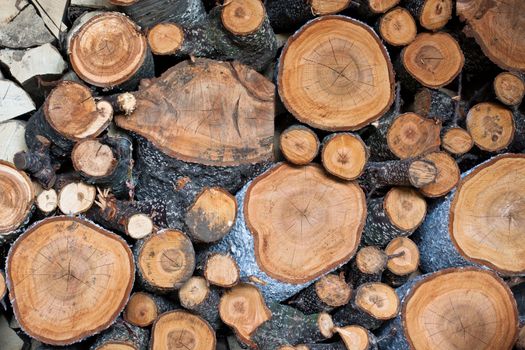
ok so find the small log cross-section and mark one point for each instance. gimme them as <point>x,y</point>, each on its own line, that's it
<point>456,141</point>
<point>221,270</point>
<point>398,27</point>
<point>164,261</point>
<point>231,123</point>
<point>454,309</point>
<point>243,309</point>
<point>16,199</point>
<point>497,26</point>
<point>509,88</point>
<point>447,175</point>
<point>109,50</point>
<point>431,14</point>
<point>299,144</point>
<point>344,155</point>
<point>180,330</point>
<point>76,197</point>
<point>68,279</point>
<point>335,74</point>
<point>211,216</point>
<point>144,308</point>
<point>491,125</point>
<point>197,296</point>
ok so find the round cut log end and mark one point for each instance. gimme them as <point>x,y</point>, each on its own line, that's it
<point>509,88</point>
<point>354,337</point>
<point>166,260</point>
<point>378,300</point>
<point>123,2</point>
<point>421,173</point>
<point>212,215</point>
<point>243,17</point>
<point>325,324</point>
<point>330,58</point>
<point>491,126</point>
<point>47,201</point>
<point>434,60</point>
<point>403,256</point>
<point>323,7</point>
<point>381,6</point>
<point>299,144</point>
<point>448,175</point>
<point>221,270</point>
<point>435,14</point>
<point>193,292</point>
<point>68,279</point>
<point>141,310</point>
<point>93,158</point>
<point>398,27</point>
<point>411,135</point>
<point>457,141</point>
<point>333,290</point>
<point>76,198</point>
<point>180,330</point>
<point>116,345</point>
<point>344,155</point>
<point>71,110</point>
<point>243,309</point>
<point>108,50</point>
<point>487,215</point>
<point>460,309</point>
<point>322,228</point>
<point>165,38</point>
<point>139,226</point>
<point>405,208</point>
<point>371,260</point>
<point>16,198</point>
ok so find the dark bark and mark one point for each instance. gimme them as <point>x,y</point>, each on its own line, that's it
<point>208,309</point>
<point>38,131</point>
<point>351,314</point>
<point>123,333</point>
<point>438,104</point>
<point>39,164</point>
<point>288,15</point>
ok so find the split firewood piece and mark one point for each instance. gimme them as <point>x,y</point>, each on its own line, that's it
<point>122,336</point>
<point>76,197</point>
<point>144,308</point>
<point>491,126</point>
<point>12,139</point>
<point>237,30</point>
<point>326,294</point>
<point>440,104</point>
<point>226,133</point>
<point>448,175</point>
<point>119,215</point>
<point>299,144</point>
<point>290,326</point>
<point>285,253</point>
<point>368,266</point>
<point>211,216</point>
<point>197,296</point>
<point>397,27</point>
<point>221,270</point>
<point>398,214</point>
<point>181,330</point>
<point>403,260</point>
<point>165,261</point>
<point>344,155</point>
<point>14,102</point>
<point>65,309</point>
<point>456,141</point>
<point>481,223</point>
<point>501,43</point>
<point>448,310</point>
<point>509,88</point>
<point>147,13</point>
<point>431,14</point>
<point>411,135</point>
<point>288,15</point>
<point>433,60</point>
<point>357,338</point>
<point>243,309</point>
<point>407,172</point>
<point>47,201</point>
<point>16,201</point>
<point>22,27</point>
<point>109,51</point>
<point>105,162</point>
<point>372,304</point>
<point>69,114</point>
<point>318,66</point>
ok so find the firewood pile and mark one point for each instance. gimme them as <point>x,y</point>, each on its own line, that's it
<point>272,175</point>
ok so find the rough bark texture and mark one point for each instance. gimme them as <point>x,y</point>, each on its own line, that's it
<point>123,333</point>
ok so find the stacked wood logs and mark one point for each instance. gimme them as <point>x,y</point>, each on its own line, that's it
<point>262,174</point>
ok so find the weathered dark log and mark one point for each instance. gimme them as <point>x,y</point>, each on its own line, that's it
<point>39,163</point>
<point>122,335</point>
